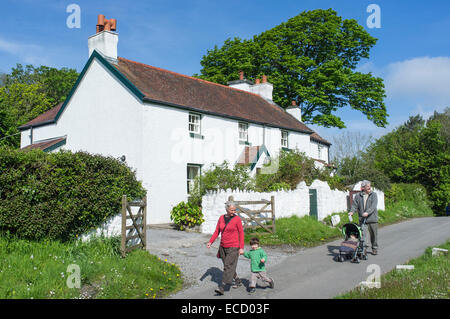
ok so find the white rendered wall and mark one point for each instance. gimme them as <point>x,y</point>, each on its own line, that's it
<point>287,203</point>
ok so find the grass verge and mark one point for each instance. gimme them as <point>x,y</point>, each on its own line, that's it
<point>430,279</point>
<point>40,270</point>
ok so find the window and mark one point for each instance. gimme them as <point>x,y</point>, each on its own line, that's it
<point>243,132</point>
<point>319,150</point>
<point>284,139</point>
<point>193,171</point>
<point>194,123</point>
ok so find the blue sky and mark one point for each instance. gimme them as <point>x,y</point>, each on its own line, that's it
<point>412,54</point>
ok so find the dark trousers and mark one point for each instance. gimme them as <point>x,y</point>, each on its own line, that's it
<point>229,258</point>
<point>372,229</point>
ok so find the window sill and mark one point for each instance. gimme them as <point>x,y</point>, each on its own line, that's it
<point>286,149</point>
<point>195,135</point>
<point>244,143</point>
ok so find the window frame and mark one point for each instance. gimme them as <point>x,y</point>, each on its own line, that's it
<point>285,139</point>
<point>243,141</point>
<point>193,123</point>
<point>191,180</point>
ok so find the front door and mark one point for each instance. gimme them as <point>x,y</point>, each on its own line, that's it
<point>313,203</point>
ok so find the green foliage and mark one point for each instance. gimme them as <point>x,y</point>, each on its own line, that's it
<point>311,59</point>
<point>186,215</point>
<point>39,270</point>
<point>61,195</point>
<point>298,231</point>
<point>398,192</point>
<point>354,169</point>
<point>221,177</point>
<point>293,167</point>
<point>28,92</point>
<point>419,153</point>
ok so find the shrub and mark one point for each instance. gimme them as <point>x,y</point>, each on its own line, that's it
<point>415,193</point>
<point>186,215</point>
<point>221,177</point>
<point>61,195</point>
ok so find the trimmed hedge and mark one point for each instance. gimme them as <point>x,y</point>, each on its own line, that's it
<point>61,195</point>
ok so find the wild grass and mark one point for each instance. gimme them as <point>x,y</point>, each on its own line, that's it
<point>430,279</point>
<point>40,270</point>
<point>298,231</point>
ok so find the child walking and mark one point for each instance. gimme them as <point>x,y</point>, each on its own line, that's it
<point>258,259</point>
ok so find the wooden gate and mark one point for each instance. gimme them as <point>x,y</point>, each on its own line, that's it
<point>255,218</point>
<point>133,235</point>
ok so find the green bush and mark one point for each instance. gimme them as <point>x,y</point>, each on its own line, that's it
<point>398,192</point>
<point>186,215</point>
<point>60,195</point>
<point>221,177</point>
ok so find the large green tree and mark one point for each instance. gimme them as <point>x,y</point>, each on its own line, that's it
<point>27,92</point>
<point>312,59</point>
<point>418,152</point>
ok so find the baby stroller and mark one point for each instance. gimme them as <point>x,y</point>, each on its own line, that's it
<point>353,246</point>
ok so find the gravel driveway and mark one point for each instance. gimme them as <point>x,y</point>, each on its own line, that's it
<point>199,265</point>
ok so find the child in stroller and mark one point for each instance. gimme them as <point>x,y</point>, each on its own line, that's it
<point>353,246</point>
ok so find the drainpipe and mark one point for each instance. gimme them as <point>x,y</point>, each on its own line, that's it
<point>31,135</point>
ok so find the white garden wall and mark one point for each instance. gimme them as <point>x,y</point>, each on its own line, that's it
<point>287,203</point>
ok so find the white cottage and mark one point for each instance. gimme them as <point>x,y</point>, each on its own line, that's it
<point>168,126</point>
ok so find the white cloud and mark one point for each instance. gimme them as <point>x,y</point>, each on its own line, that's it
<point>424,78</point>
<point>27,53</point>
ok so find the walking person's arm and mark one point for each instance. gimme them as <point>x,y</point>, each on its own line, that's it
<point>373,205</point>
<point>241,236</point>
<point>215,235</point>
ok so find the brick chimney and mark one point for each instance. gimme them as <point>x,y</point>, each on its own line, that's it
<point>105,40</point>
<point>295,110</point>
<point>263,89</point>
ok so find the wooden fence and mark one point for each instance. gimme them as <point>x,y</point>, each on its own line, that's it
<point>136,231</point>
<point>257,218</point>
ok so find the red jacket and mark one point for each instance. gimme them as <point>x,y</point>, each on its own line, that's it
<point>233,235</point>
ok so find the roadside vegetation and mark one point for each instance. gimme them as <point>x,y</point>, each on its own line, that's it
<point>41,270</point>
<point>428,280</point>
<point>48,201</point>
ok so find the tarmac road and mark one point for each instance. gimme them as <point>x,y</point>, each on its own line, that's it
<point>312,272</point>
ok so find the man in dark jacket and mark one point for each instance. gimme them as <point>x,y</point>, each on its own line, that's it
<point>365,203</point>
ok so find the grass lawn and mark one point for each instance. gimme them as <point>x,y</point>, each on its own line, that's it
<point>31,269</point>
<point>430,279</point>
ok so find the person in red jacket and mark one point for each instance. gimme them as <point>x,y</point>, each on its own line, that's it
<point>231,246</point>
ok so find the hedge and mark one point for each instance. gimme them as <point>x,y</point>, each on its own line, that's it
<point>60,195</point>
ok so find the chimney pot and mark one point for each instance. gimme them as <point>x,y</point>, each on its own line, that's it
<point>257,81</point>
<point>241,75</point>
<point>264,79</point>
<point>294,103</point>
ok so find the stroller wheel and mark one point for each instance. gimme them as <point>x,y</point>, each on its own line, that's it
<point>341,259</point>
<point>364,257</point>
<point>355,260</point>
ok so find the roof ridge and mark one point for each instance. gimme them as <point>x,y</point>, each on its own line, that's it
<point>190,77</point>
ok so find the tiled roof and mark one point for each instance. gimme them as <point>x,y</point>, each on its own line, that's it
<point>316,137</point>
<point>175,89</point>
<point>46,117</point>
<point>45,145</point>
